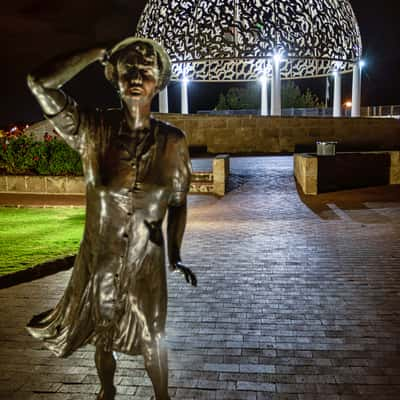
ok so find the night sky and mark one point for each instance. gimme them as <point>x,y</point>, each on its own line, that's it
<point>32,31</point>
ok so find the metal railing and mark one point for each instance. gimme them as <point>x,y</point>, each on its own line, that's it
<point>380,111</point>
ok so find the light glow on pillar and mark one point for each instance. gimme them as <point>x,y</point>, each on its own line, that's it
<point>163,100</point>
<point>263,79</point>
<point>276,100</point>
<point>337,94</point>
<point>277,58</point>
<point>356,89</point>
<point>184,95</point>
<point>264,93</point>
<point>337,68</point>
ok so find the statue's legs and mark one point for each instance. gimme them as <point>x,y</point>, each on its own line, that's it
<point>156,364</point>
<point>105,364</point>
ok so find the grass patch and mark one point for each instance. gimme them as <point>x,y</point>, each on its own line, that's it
<point>30,236</point>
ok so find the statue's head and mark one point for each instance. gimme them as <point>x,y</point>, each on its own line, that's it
<point>138,68</point>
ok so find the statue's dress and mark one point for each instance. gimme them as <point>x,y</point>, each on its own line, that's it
<point>117,293</point>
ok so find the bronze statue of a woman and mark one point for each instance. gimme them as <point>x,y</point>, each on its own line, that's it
<point>136,169</point>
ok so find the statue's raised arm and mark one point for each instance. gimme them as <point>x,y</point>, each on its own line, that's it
<point>46,82</point>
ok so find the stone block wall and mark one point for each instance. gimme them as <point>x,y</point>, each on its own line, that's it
<point>208,182</point>
<point>42,184</point>
<point>258,134</point>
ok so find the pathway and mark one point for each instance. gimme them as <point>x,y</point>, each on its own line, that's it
<point>298,299</point>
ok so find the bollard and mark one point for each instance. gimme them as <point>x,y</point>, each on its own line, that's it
<point>326,148</point>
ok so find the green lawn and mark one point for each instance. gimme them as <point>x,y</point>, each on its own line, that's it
<point>30,236</point>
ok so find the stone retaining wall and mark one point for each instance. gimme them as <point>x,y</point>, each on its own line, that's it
<point>42,184</point>
<point>214,182</point>
<point>257,134</point>
<point>67,185</point>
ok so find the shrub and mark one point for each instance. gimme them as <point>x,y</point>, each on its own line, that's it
<point>23,155</point>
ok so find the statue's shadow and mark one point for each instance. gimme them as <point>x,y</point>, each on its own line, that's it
<point>366,205</point>
<point>237,182</point>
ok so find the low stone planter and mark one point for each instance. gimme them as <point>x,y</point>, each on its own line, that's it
<point>42,184</point>
<point>209,182</point>
<point>319,174</point>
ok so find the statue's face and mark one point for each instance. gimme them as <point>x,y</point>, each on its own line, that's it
<point>138,75</point>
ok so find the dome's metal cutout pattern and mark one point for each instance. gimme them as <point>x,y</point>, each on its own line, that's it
<point>235,40</point>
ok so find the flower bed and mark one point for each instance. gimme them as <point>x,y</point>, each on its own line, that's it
<point>50,166</point>
<point>23,155</point>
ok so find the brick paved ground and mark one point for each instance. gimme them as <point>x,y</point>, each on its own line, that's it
<point>298,299</point>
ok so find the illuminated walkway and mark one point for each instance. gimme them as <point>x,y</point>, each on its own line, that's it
<point>298,299</point>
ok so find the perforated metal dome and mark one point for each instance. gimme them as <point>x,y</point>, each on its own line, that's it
<point>232,40</point>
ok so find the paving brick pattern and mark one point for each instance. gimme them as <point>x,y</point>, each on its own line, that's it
<point>298,299</point>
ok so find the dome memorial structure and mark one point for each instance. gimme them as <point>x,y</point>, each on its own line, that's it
<point>248,40</point>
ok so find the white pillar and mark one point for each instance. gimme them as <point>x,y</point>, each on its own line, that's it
<point>337,95</point>
<point>163,100</point>
<point>264,95</point>
<point>184,97</point>
<point>356,93</point>
<point>276,107</point>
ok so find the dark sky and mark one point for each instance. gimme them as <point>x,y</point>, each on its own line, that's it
<point>32,31</point>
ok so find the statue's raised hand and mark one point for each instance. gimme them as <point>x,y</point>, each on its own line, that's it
<point>185,271</point>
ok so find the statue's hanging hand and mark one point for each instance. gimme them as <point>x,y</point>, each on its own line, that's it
<point>185,271</point>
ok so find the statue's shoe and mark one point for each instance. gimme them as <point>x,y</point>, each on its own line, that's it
<point>109,395</point>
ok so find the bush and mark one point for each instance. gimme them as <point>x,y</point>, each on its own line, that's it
<point>249,98</point>
<point>22,155</point>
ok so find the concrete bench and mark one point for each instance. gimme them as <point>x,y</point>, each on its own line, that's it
<point>319,174</point>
